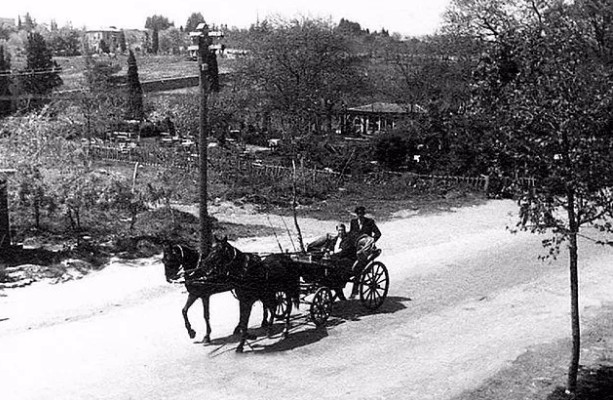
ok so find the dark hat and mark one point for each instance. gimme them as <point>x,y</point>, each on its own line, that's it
<point>360,210</point>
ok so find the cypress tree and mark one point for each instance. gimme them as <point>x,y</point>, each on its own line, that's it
<point>5,82</point>
<point>155,41</point>
<point>135,91</point>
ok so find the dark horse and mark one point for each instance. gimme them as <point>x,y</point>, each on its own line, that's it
<point>181,265</point>
<point>254,279</point>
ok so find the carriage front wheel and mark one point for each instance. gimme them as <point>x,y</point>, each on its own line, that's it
<point>282,305</point>
<point>321,306</point>
<point>374,284</point>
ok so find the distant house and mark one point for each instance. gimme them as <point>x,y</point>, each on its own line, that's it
<point>137,40</point>
<point>96,39</point>
<point>378,117</point>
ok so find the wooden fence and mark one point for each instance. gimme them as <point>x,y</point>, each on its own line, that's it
<point>236,167</point>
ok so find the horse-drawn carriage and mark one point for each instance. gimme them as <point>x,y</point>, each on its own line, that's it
<point>323,279</point>
<point>278,280</point>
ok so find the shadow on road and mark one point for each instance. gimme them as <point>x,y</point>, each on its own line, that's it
<point>304,332</point>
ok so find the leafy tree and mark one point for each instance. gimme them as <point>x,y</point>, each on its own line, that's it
<point>102,105</point>
<point>5,83</point>
<point>192,22</point>
<point>158,22</point>
<point>65,41</point>
<point>41,74</point>
<point>553,118</point>
<point>33,192</point>
<point>391,150</point>
<point>29,23</point>
<point>172,40</point>
<point>301,70</point>
<point>104,47</point>
<point>135,92</point>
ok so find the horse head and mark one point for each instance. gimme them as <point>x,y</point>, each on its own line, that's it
<point>174,262</point>
<point>219,261</point>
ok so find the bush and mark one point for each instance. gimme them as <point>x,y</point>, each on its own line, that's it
<point>391,151</point>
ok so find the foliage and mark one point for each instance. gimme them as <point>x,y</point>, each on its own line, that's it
<point>65,41</point>
<point>391,150</point>
<point>155,41</point>
<point>301,70</point>
<point>122,41</point>
<point>135,92</point>
<point>5,82</point>
<point>546,87</point>
<point>33,192</point>
<point>192,22</point>
<point>171,41</point>
<point>158,22</point>
<point>41,74</point>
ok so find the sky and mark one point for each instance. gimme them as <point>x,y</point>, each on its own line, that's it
<point>407,17</point>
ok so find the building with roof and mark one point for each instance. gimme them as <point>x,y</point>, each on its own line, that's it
<point>97,39</point>
<point>378,117</point>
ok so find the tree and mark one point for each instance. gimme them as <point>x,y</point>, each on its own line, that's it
<point>29,23</point>
<point>172,40</point>
<point>391,151</point>
<point>158,22</point>
<point>155,41</point>
<point>135,92</point>
<point>122,41</point>
<point>301,70</point>
<point>41,74</point>
<point>5,83</point>
<point>65,41</point>
<point>553,117</point>
<point>192,22</point>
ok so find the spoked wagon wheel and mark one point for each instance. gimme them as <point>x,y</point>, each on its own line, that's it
<point>321,306</point>
<point>374,284</point>
<point>282,301</point>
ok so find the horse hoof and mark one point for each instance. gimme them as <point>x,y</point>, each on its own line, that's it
<point>239,349</point>
<point>285,335</point>
<point>192,333</point>
<point>264,324</point>
<point>237,330</point>
<point>207,339</point>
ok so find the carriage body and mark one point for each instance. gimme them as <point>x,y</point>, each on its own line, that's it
<point>320,274</point>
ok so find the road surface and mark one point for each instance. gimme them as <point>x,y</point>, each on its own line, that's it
<point>466,298</point>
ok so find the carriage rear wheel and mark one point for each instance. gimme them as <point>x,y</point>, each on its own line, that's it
<point>321,306</point>
<point>374,284</point>
<point>282,308</point>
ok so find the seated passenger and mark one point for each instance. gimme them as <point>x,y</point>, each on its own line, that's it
<point>342,249</point>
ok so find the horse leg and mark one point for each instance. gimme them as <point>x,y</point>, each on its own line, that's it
<point>265,323</point>
<point>245,312</point>
<point>190,300</point>
<point>205,306</point>
<point>288,314</point>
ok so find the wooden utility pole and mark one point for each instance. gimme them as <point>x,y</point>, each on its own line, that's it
<point>5,229</point>
<point>203,59</point>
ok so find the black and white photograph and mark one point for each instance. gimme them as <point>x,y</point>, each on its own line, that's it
<point>281,199</point>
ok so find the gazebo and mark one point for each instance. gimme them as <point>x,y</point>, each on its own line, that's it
<point>378,117</point>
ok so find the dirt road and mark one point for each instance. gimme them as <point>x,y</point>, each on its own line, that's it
<point>467,297</point>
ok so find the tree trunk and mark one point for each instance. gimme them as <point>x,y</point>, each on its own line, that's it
<point>573,369</point>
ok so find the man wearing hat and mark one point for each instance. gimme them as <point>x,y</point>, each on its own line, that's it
<point>363,226</point>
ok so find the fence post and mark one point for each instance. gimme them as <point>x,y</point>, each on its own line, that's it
<point>486,183</point>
